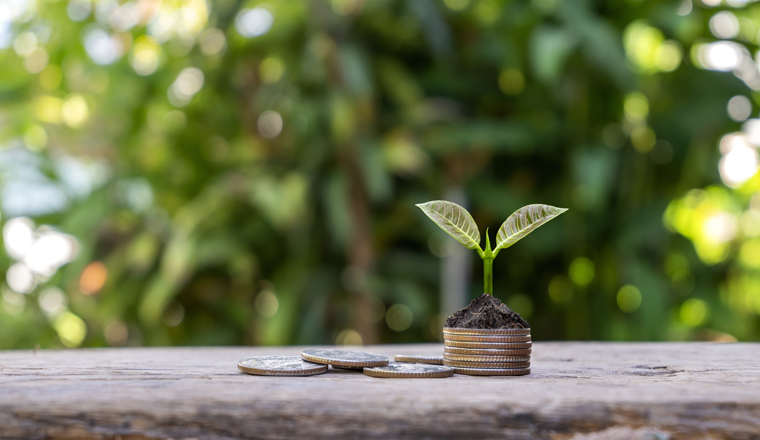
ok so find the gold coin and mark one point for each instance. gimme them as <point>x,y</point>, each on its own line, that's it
<point>466,364</point>
<point>492,371</point>
<point>419,359</point>
<point>482,345</point>
<point>410,371</point>
<point>487,351</point>
<point>498,338</point>
<point>344,358</point>
<point>486,332</point>
<point>280,366</point>
<point>477,358</point>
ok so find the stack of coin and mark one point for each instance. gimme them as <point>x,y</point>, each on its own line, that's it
<point>487,352</point>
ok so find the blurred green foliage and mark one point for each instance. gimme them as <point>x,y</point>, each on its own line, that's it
<point>246,173</point>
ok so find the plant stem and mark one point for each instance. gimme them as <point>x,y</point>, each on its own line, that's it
<point>488,275</point>
<point>488,257</point>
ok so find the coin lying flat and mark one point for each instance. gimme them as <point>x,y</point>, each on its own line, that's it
<point>492,371</point>
<point>344,358</point>
<point>466,364</point>
<point>481,345</point>
<point>280,366</point>
<point>435,360</point>
<point>496,338</point>
<point>410,371</point>
<point>482,358</point>
<point>487,351</point>
<point>486,332</point>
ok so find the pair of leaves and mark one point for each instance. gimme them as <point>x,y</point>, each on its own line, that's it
<point>458,223</point>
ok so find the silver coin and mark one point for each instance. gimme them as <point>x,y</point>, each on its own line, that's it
<point>484,332</point>
<point>410,371</point>
<point>435,360</point>
<point>466,364</point>
<point>280,366</point>
<point>490,339</point>
<point>344,358</point>
<point>487,351</point>
<point>493,371</point>
<point>491,345</point>
<point>485,358</point>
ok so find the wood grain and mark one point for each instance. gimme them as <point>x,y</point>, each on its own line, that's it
<point>576,391</point>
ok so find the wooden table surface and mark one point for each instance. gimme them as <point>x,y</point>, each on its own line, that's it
<point>576,390</point>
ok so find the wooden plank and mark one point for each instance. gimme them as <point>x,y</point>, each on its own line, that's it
<point>576,390</point>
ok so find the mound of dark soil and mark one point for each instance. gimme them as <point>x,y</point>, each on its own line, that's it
<point>486,312</point>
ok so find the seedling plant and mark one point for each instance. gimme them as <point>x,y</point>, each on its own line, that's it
<point>458,223</point>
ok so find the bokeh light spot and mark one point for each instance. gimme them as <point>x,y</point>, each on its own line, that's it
<point>52,301</point>
<point>116,333</point>
<point>145,55</point>
<point>269,124</point>
<point>740,160</point>
<point>254,22</point>
<point>266,304</point>
<point>173,314</point>
<point>511,82</point>
<point>71,329</point>
<point>399,317</point>
<point>50,77</point>
<point>646,48</point>
<point>271,70</point>
<point>349,337</point>
<point>93,278</point>
<point>643,139</point>
<point>13,303</point>
<point>694,312</point>
<point>35,138</point>
<point>102,47</point>
<point>749,253</point>
<point>724,25</point>
<point>440,244</point>
<point>669,56</point>
<point>36,61</point>
<point>739,108</point>
<point>188,83</point>
<point>629,298</point>
<point>74,111</point>
<point>636,107</point>
<point>456,5</point>
<point>213,42</point>
<point>344,7</point>
<point>51,250</point>
<point>522,304</point>
<point>582,271</point>
<point>78,10</point>
<point>20,278</point>
<point>721,227</point>
<point>18,236</point>
<point>25,43</point>
<point>488,11</point>
<point>560,290</point>
<point>721,55</point>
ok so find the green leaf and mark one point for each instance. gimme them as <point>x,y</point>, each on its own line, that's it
<point>524,221</point>
<point>455,220</point>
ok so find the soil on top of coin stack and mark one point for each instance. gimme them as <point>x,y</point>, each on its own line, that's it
<point>486,312</point>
